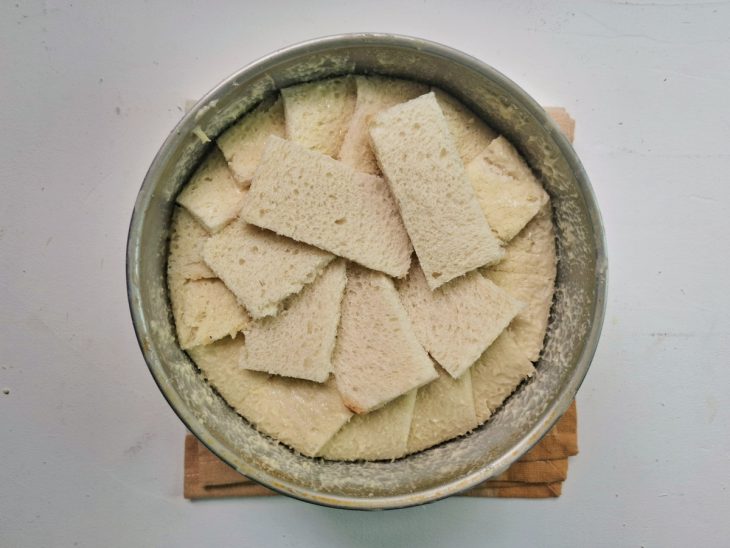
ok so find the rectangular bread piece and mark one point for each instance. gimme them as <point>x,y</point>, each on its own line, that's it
<point>243,143</point>
<point>260,267</point>
<point>312,198</point>
<point>212,196</point>
<point>458,321</point>
<point>508,192</point>
<point>470,133</point>
<point>374,94</point>
<point>441,213</point>
<point>528,273</point>
<point>187,239</point>
<point>497,373</point>
<point>318,113</point>
<point>298,342</point>
<point>204,311</point>
<point>444,409</point>
<point>377,355</point>
<point>380,435</point>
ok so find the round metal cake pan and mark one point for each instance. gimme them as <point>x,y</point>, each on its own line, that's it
<point>575,321</point>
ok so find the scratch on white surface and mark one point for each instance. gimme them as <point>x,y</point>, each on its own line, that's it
<point>682,74</point>
<point>670,334</point>
<point>700,198</point>
<point>139,445</point>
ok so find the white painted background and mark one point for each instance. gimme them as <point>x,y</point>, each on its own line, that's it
<point>91,455</point>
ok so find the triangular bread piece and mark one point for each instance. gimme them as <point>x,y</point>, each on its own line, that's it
<point>380,435</point>
<point>212,196</point>
<point>243,143</point>
<point>533,250</point>
<point>497,373</point>
<point>302,414</point>
<point>377,355</point>
<point>318,113</point>
<point>187,238</point>
<point>470,133</point>
<point>528,274</point>
<point>444,409</point>
<point>204,311</point>
<point>219,364</point>
<point>458,321</point>
<point>508,192</point>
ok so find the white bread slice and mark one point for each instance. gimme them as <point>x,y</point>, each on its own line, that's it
<point>532,251</point>
<point>380,435</point>
<point>508,192</point>
<point>302,414</point>
<point>444,409</point>
<point>318,113</point>
<point>187,238</point>
<point>377,356</point>
<point>470,133</point>
<point>458,321</point>
<point>374,93</point>
<point>503,155</point>
<point>529,274</point>
<point>204,311</point>
<point>212,196</point>
<point>529,326</point>
<point>219,364</point>
<point>441,213</point>
<point>243,143</point>
<point>299,341</point>
<point>497,373</point>
<point>261,268</point>
<point>312,198</point>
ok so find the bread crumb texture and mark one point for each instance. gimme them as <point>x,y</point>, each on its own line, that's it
<point>204,311</point>
<point>471,135</point>
<point>508,192</point>
<point>497,373</point>
<point>444,409</point>
<point>243,143</point>
<point>185,257</point>
<point>380,435</point>
<point>293,283</point>
<point>318,113</point>
<point>212,195</point>
<point>528,273</point>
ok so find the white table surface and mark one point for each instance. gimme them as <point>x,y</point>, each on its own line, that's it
<point>90,453</point>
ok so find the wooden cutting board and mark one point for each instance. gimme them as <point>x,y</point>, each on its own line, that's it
<point>540,473</point>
